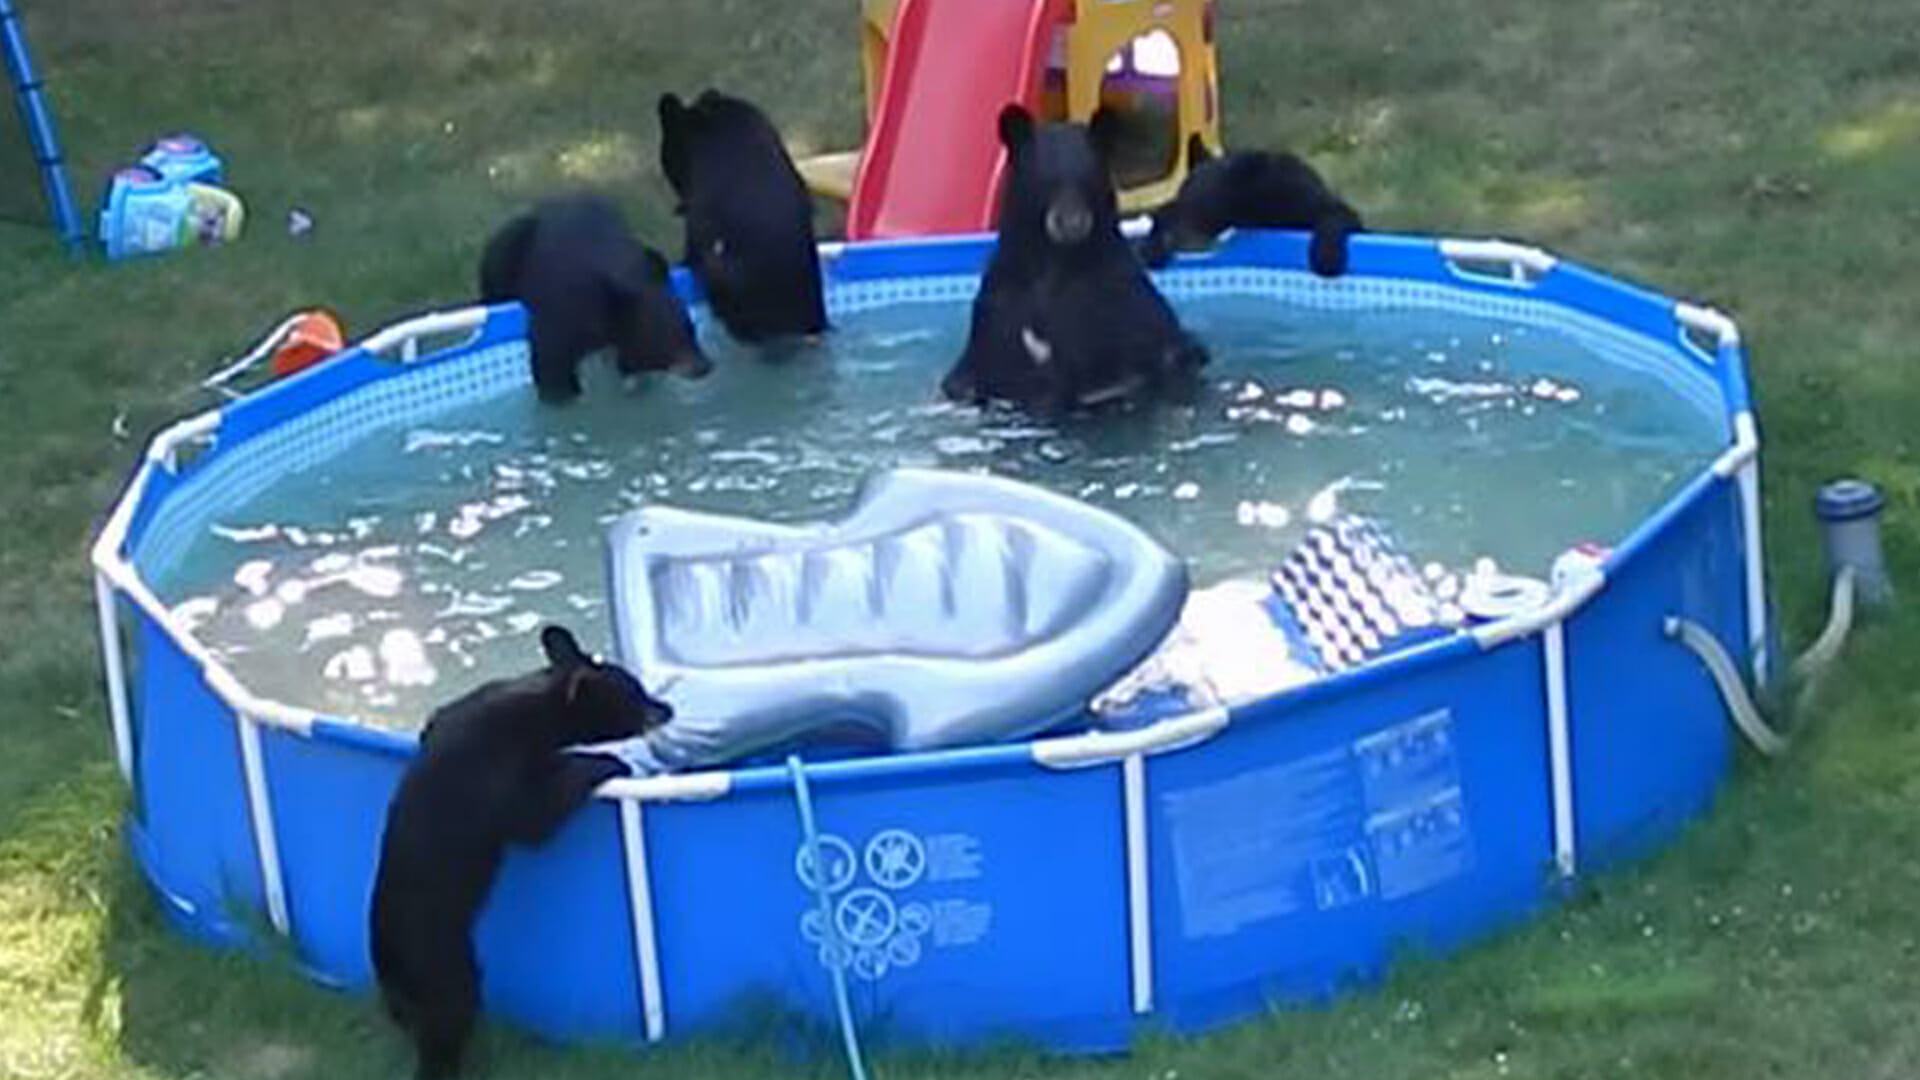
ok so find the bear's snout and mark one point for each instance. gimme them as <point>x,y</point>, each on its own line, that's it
<point>1069,218</point>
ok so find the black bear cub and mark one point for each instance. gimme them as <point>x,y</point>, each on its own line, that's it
<point>1256,189</point>
<point>588,284</point>
<point>1066,317</point>
<point>749,220</point>
<point>492,770</point>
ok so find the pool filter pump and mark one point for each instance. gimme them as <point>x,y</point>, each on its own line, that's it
<point>1849,512</point>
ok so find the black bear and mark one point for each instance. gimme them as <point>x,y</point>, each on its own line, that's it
<point>492,770</point>
<point>1255,189</point>
<point>749,221</point>
<point>588,284</point>
<point>1066,317</point>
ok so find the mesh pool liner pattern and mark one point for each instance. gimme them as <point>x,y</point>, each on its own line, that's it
<point>233,478</point>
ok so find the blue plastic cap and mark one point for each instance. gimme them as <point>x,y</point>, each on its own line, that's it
<point>1848,500</point>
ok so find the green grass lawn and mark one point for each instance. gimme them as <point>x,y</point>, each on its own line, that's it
<point>1763,155</point>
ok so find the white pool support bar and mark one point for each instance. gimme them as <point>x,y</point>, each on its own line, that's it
<point>646,942</point>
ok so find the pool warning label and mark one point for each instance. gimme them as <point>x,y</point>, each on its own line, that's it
<point>1380,818</point>
<point>879,920</point>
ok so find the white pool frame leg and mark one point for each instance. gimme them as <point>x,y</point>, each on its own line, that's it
<point>110,651</point>
<point>260,810</point>
<point>1747,432</point>
<point>1559,747</point>
<point>646,948</point>
<point>1133,773</point>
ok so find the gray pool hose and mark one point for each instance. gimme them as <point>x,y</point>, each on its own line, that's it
<point>1849,512</point>
<point>1746,715</point>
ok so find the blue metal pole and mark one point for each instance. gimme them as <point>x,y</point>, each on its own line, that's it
<point>37,116</point>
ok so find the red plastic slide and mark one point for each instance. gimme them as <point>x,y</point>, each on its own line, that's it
<point>933,159</point>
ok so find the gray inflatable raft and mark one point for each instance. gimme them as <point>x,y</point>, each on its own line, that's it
<point>946,609</point>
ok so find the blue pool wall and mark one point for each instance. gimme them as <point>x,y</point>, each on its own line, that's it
<point>1293,853</point>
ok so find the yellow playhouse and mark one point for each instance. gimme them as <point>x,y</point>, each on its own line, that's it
<point>937,72</point>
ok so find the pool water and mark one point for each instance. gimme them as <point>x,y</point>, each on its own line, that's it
<point>424,559</point>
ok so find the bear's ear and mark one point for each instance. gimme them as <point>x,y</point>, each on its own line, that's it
<point>578,679</point>
<point>675,119</point>
<point>1104,129</point>
<point>563,651</point>
<point>1016,127</point>
<point>672,112</point>
<point>1197,152</point>
<point>1246,168</point>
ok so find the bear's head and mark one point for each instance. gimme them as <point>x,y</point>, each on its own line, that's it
<point>1059,185</point>
<point>652,331</point>
<point>599,702</point>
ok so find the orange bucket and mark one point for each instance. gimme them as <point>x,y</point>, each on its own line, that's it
<point>314,336</point>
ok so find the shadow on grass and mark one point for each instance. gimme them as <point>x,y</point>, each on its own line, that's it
<point>181,1009</point>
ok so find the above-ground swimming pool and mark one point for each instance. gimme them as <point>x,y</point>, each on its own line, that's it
<point>1070,889</point>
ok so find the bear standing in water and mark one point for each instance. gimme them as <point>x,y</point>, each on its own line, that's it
<point>1066,317</point>
<point>491,770</point>
<point>588,284</point>
<point>1256,189</point>
<point>749,220</point>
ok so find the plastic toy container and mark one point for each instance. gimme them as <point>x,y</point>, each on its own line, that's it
<point>146,214</point>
